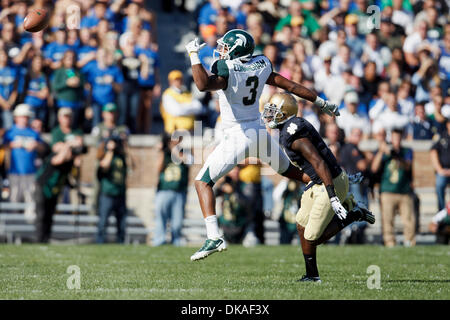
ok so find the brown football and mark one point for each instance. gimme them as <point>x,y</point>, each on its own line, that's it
<point>36,20</point>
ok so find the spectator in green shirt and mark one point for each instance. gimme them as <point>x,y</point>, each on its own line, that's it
<point>66,147</point>
<point>170,199</point>
<point>236,211</point>
<point>111,173</point>
<point>291,203</point>
<point>67,85</point>
<point>394,164</point>
<point>310,23</point>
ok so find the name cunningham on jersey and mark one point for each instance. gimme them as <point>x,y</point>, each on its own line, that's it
<point>252,67</point>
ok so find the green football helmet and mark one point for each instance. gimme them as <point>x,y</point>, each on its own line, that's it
<point>234,44</point>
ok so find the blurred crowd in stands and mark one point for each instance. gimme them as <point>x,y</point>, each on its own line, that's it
<point>387,69</point>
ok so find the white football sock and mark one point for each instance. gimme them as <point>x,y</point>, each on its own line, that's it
<point>212,227</point>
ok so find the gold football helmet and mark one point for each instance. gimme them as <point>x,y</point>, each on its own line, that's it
<point>280,108</point>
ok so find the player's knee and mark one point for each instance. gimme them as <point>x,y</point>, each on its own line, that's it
<point>311,235</point>
<point>200,185</point>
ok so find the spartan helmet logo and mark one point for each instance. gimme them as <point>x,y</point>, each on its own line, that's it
<point>242,41</point>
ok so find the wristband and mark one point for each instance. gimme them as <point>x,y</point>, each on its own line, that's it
<point>319,102</point>
<point>330,191</point>
<point>194,58</point>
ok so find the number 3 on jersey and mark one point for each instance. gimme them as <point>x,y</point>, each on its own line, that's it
<point>252,82</point>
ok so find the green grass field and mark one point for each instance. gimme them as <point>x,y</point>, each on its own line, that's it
<point>265,272</point>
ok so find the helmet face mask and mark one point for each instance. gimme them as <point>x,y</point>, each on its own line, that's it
<point>280,108</point>
<point>221,52</point>
<point>272,115</point>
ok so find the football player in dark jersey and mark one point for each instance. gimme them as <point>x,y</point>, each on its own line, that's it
<point>326,205</point>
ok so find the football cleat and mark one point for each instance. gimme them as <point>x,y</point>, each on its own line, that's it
<point>306,278</point>
<point>366,215</point>
<point>209,247</point>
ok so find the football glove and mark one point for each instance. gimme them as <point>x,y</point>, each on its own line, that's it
<point>194,47</point>
<point>338,209</point>
<point>326,106</point>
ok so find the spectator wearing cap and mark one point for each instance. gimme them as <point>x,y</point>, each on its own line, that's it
<point>112,156</point>
<point>105,80</point>
<point>391,118</point>
<point>440,158</point>
<point>395,168</point>
<point>351,117</point>
<point>36,89</point>
<point>178,107</point>
<point>354,40</point>
<point>67,84</point>
<point>8,89</point>
<point>149,83</point>
<point>421,126</point>
<point>66,148</point>
<point>24,144</point>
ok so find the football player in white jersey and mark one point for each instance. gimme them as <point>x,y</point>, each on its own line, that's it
<point>239,78</point>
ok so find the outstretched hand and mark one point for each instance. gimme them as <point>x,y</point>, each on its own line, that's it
<point>194,46</point>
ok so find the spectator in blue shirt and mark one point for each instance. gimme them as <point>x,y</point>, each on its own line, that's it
<point>87,50</point>
<point>55,50</point>
<point>135,9</point>
<point>105,80</point>
<point>421,127</point>
<point>149,83</point>
<point>206,54</point>
<point>36,89</point>
<point>23,142</point>
<point>99,12</point>
<point>22,8</point>
<point>8,89</point>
